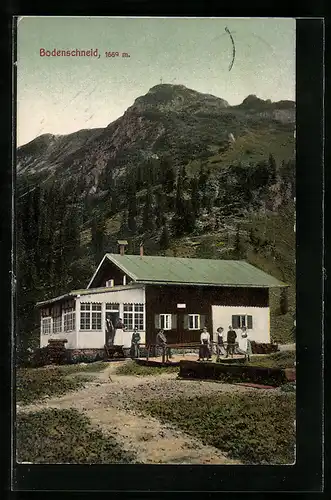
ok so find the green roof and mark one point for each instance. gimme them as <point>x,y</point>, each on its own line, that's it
<point>165,270</point>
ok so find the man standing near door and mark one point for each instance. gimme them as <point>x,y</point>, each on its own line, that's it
<point>110,332</point>
<point>231,342</point>
<point>135,339</point>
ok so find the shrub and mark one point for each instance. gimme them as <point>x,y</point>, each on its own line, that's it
<point>54,353</point>
<point>86,358</point>
<point>290,387</point>
<point>55,436</point>
<point>132,368</point>
<point>281,359</point>
<point>254,428</point>
<point>259,348</point>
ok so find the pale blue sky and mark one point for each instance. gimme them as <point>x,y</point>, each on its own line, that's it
<point>60,95</point>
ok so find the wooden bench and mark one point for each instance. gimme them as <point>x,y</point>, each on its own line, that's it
<point>114,349</point>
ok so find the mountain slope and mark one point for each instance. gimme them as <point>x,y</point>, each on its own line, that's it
<point>168,119</point>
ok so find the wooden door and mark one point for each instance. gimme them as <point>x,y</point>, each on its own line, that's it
<point>180,327</point>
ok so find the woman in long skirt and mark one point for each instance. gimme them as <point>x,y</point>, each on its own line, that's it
<point>120,329</point>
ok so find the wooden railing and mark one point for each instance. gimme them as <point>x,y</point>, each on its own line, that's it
<point>191,345</point>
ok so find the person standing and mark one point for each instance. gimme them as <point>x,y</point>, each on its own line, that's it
<point>245,346</point>
<point>220,349</point>
<point>135,340</point>
<point>110,332</point>
<point>231,342</point>
<point>161,343</point>
<point>119,330</point>
<point>204,352</point>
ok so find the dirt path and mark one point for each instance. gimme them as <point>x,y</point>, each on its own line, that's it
<point>108,401</point>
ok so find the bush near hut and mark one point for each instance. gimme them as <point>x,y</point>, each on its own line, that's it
<point>54,353</point>
<point>254,427</point>
<point>259,348</point>
<point>54,436</point>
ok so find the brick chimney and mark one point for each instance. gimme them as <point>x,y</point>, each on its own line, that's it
<point>122,244</point>
<point>141,250</point>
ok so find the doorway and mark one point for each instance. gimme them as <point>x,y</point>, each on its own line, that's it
<point>113,316</point>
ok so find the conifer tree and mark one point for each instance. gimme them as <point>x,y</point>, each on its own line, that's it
<point>165,238</point>
<point>168,175</point>
<point>184,178</point>
<point>189,217</point>
<point>195,196</point>
<point>239,248</point>
<point>160,209</point>
<point>272,169</point>
<point>283,302</point>
<point>132,207</point>
<point>98,237</point>
<point>148,212</point>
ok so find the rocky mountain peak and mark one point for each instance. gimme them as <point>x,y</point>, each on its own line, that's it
<point>174,97</point>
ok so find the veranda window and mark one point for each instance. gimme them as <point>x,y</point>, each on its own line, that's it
<point>133,316</point>
<point>69,321</point>
<point>90,316</point>
<point>46,326</point>
<point>57,324</point>
<point>112,306</point>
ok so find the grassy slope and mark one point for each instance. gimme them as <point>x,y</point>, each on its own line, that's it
<point>252,147</point>
<point>132,368</point>
<point>285,359</point>
<point>55,436</point>
<point>254,428</point>
<point>35,383</point>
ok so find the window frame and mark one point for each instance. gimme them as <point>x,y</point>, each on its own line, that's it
<point>69,317</point>
<point>165,316</point>
<point>44,320</point>
<point>194,316</point>
<point>245,324</point>
<point>112,307</point>
<point>134,316</point>
<point>90,318</point>
<point>57,324</point>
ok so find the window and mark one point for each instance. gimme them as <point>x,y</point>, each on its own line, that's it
<point>194,321</point>
<point>46,326</point>
<point>57,324</point>
<point>69,321</point>
<point>112,307</point>
<point>90,316</point>
<point>133,316</point>
<point>110,283</point>
<point>165,321</point>
<point>240,320</point>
